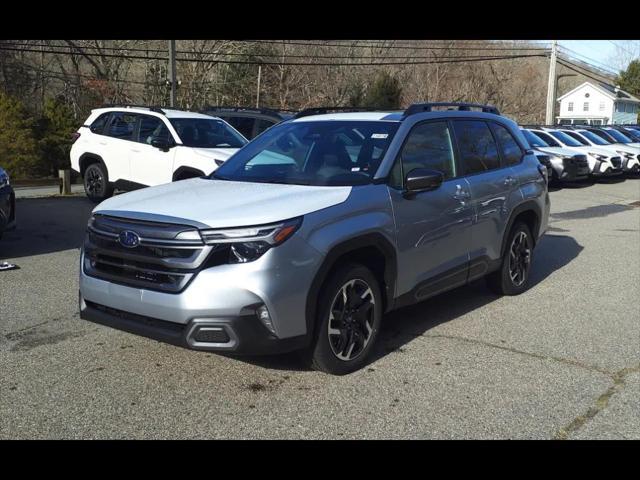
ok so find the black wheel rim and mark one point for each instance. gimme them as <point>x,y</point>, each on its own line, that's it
<point>94,182</point>
<point>351,319</point>
<point>519,259</point>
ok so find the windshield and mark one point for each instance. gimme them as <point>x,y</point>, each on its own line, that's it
<point>620,137</point>
<point>566,139</point>
<point>595,139</point>
<point>332,152</point>
<point>533,139</point>
<point>577,137</point>
<point>634,134</point>
<point>207,133</point>
<point>549,140</point>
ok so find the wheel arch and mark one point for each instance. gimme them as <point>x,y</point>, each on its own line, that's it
<point>89,158</point>
<point>372,250</point>
<point>530,213</point>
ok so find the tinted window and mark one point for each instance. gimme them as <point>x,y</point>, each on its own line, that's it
<point>428,145</point>
<point>312,153</point>
<point>595,139</point>
<point>152,127</point>
<point>206,133</point>
<point>478,149</point>
<point>262,125</point>
<point>566,139</point>
<point>604,136</point>
<point>549,140</point>
<point>122,126</point>
<point>577,137</point>
<point>533,139</point>
<point>98,124</point>
<point>243,124</point>
<point>620,137</point>
<point>511,151</point>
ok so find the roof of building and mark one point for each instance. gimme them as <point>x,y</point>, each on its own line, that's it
<point>614,93</point>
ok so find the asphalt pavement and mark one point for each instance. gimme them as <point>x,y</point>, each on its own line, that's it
<point>560,361</point>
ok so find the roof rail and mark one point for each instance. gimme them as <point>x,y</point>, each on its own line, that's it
<point>224,108</point>
<point>321,110</point>
<point>428,107</point>
<point>131,105</point>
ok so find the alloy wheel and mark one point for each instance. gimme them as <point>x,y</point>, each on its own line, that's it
<point>351,319</point>
<point>519,259</point>
<point>94,181</point>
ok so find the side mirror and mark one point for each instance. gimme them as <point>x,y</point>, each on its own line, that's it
<point>422,180</point>
<point>162,143</point>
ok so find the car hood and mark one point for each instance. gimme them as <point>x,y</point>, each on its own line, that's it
<point>625,147</point>
<point>215,153</point>
<point>220,203</point>
<point>559,151</point>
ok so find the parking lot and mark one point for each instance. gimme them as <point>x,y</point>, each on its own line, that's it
<point>560,361</point>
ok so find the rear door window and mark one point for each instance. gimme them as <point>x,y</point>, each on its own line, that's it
<point>511,152</point>
<point>122,126</point>
<point>478,149</point>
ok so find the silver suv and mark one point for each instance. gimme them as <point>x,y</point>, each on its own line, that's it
<point>304,238</point>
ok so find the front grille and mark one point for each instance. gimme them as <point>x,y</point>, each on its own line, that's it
<point>159,262</point>
<point>616,162</point>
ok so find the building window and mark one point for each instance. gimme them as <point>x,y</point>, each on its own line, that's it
<point>602,106</point>
<point>629,107</point>
<point>570,107</point>
<point>586,107</point>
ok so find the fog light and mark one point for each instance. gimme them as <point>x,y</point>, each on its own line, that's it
<point>265,318</point>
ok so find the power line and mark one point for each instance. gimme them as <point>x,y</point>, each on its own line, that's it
<point>483,46</point>
<point>259,62</point>
<point>623,48</point>
<point>82,50</point>
<point>567,64</point>
<point>608,68</point>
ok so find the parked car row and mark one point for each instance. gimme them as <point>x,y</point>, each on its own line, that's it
<point>576,152</point>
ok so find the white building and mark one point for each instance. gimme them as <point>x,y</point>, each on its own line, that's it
<point>598,104</point>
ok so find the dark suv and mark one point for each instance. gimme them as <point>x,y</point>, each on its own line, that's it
<point>250,122</point>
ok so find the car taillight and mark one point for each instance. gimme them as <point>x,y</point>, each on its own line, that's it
<point>75,136</point>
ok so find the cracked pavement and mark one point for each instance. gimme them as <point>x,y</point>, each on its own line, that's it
<point>561,361</point>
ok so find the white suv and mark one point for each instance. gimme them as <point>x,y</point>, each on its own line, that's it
<point>130,147</point>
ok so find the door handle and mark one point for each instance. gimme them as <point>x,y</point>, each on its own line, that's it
<point>462,195</point>
<point>134,150</point>
<point>102,143</point>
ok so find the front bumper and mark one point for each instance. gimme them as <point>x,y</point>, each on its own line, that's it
<point>7,208</point>
<point>225,296</point>
<point>242,335</point>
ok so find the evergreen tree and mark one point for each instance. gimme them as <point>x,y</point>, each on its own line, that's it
<point>53,133</point>
<point>385,92</point>
<point>18,147</point>
<point>629,79</point>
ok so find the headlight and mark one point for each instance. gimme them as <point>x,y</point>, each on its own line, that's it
<point>4,178</point>
<point>598,156</point>
<point>247,244</point>
<point>624,154</point>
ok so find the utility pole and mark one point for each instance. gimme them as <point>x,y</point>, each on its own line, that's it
<point>551,87</point>
<point>172,72</point>
<point>258,93</point>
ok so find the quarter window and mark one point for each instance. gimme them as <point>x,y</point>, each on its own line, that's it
<point>429,145</point>
<point>243,124</point>
<point>478,149</point>
<point>98,124</point>
<point>122,126</point>
<point>511,151</point>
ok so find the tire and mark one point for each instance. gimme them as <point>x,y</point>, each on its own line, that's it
<point>502,281</point>
<point>96,183</point>
<point>347,349</point>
